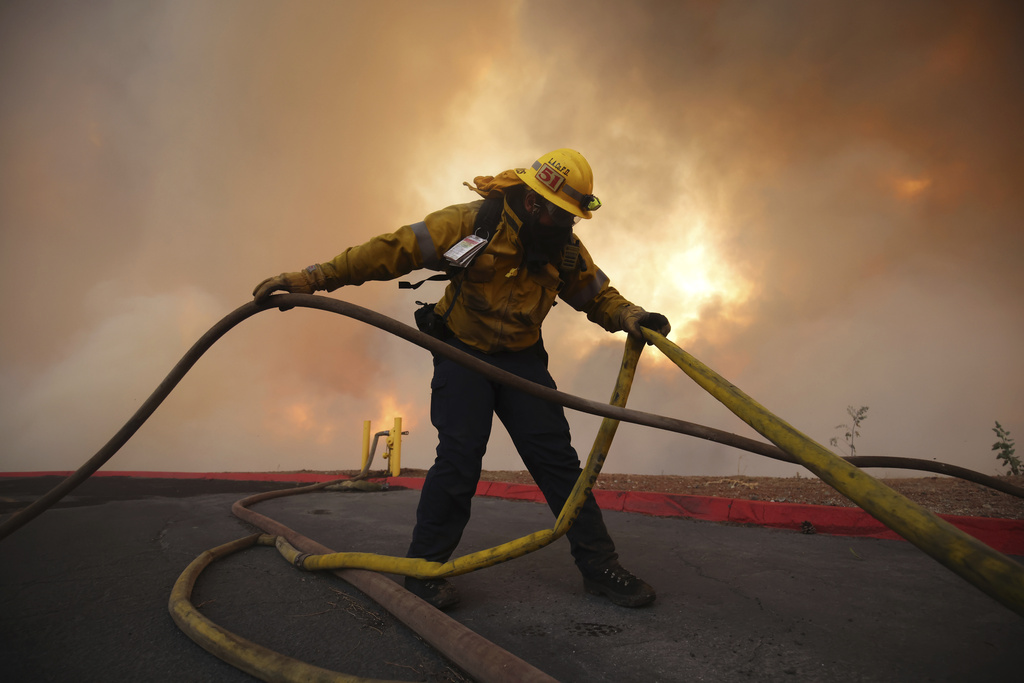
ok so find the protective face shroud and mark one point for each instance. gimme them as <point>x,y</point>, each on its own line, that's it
<point>565,179</point>
<point>543,245</point>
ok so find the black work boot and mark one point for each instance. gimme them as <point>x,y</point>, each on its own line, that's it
<point>619,585</point>
<point>438,592</point>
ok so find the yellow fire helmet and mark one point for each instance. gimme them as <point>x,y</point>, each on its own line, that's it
<point>565,179</point>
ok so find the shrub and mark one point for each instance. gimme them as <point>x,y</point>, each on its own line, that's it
<point>1006,447</point>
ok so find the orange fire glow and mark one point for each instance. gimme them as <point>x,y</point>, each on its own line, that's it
<point>910,188</point>
<point>389,407</point>
<point>302,420</point>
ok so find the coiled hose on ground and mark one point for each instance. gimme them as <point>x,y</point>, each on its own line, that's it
<point>992,572</point>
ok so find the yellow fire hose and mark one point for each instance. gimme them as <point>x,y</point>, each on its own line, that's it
<point>988,569</point>
<point>992,572</point>
<point>240,653</point>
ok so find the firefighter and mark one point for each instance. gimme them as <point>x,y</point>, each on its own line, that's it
<point>493,308</point>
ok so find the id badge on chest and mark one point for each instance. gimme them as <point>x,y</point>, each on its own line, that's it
<point>462,254</point>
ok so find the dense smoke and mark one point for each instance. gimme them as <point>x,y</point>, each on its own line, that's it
<point>824,199</point>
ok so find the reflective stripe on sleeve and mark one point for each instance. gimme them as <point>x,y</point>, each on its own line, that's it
<point>581,298</point>
<point>425,242</point>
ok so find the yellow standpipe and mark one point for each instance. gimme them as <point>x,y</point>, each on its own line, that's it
<point>395,445</point>
<point>991,571</point>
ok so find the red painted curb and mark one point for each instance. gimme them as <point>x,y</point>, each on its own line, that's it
<point>1004,535</point>
<point>299,477</point>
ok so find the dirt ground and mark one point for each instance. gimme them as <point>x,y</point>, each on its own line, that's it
<point>942,495</point>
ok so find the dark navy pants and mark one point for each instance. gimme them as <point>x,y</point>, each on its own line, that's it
<point>462,404</point>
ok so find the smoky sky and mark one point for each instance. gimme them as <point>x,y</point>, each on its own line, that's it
<point>823,198</point>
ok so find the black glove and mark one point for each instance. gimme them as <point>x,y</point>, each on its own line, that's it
<point>656,322</point>
<point>632,317</point>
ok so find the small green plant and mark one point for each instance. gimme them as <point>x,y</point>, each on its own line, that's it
<point>857,416</point>
<point>1006,447</point>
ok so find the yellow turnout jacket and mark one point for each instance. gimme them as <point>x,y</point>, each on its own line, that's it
<point>502,303</point>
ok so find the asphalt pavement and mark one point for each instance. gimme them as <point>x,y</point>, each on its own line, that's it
<point>84,591</point>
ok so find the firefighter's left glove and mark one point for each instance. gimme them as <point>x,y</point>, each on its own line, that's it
<point>302,282</point>
<point>632,318</point>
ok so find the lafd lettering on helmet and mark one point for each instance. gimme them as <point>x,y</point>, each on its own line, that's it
<point>564,170</point>
<point>550,177</point>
